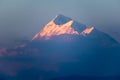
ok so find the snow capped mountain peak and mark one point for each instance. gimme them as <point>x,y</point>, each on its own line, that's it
<point>51,29</point>
<point>61,19</point>
<point>87,31</point>
<point>62,25</point>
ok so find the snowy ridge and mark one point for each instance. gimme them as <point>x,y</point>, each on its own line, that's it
<point>62,25</point>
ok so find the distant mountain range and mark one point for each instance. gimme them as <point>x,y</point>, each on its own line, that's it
<point>66,47</point>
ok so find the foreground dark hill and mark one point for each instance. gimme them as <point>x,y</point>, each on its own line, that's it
<point>63,48</point>
<point>87,78</point>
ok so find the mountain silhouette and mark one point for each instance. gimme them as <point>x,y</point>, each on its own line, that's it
<point>64,47</point>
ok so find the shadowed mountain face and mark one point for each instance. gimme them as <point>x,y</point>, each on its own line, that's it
<point>63,48</point>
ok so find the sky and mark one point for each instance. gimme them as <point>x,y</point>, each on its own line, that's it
<point>22,19</point>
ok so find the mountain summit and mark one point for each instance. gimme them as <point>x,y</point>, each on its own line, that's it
<point>62,25</point>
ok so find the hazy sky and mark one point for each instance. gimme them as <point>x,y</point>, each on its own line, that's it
<point>23,18</point>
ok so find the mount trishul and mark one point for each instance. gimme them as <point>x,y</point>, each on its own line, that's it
<point>64,27</point>
<point>66,47</point>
